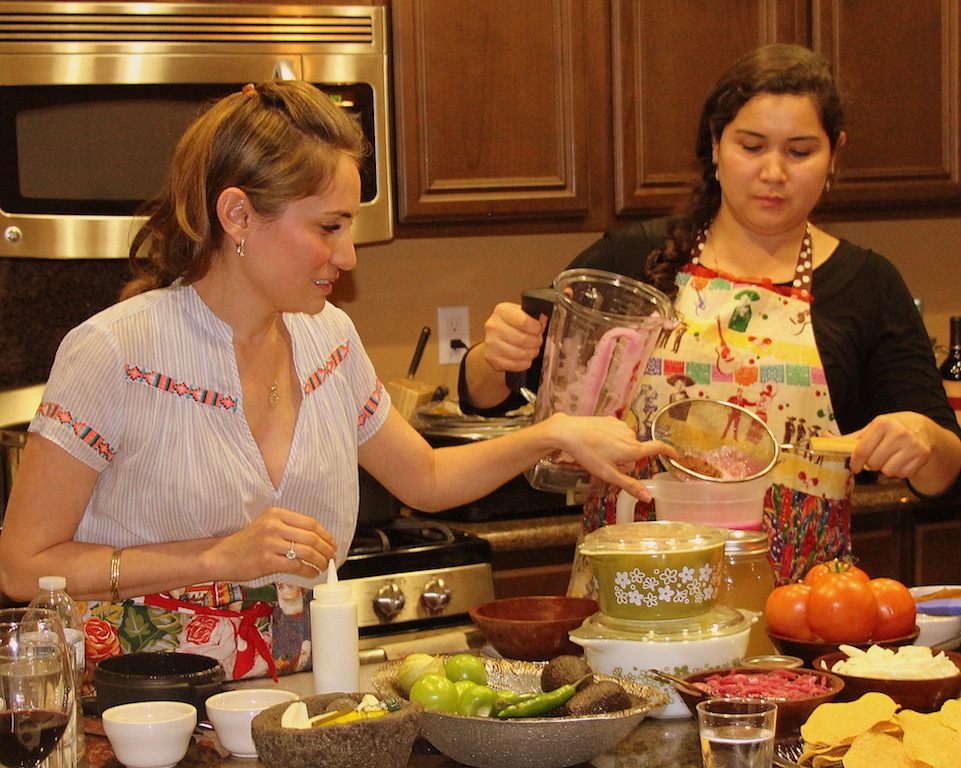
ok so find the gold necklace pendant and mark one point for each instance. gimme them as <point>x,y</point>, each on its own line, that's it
<point>273,396</point>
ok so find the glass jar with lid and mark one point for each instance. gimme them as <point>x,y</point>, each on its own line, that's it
<point>748,579</point>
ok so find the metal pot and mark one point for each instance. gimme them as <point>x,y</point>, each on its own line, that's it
<point>157,676</point>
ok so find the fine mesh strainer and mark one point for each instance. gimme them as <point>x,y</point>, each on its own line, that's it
<point>717,441</point>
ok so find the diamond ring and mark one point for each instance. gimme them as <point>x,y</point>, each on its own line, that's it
<point>290,554</point>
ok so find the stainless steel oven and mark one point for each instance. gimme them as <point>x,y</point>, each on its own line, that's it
<point>94,95</point>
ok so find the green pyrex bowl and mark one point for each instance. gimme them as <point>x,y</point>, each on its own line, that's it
<point>652,571</point>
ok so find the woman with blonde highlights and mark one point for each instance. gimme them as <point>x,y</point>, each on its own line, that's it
<point>197,447</point>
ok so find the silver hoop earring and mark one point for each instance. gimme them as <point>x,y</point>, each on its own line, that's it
<point>716,178</point>
<point>827,185</point>
<point>240,248</point>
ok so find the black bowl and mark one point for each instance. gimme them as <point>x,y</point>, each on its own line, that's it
<point>155,676</point>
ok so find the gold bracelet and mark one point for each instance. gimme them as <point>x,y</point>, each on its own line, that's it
<point>115,574</point>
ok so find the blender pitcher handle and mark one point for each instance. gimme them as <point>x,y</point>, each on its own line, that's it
<point>535,302</point>
<point>624,507</point>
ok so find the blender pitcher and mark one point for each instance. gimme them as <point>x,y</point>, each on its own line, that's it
<point>601,335</point>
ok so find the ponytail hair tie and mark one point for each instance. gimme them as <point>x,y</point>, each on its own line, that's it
<point>249,90</point>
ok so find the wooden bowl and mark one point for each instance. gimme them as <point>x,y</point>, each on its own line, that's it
<point>810,650</point>
<point>791,713</point>
<point>533,628</point>
<point>919,695</point>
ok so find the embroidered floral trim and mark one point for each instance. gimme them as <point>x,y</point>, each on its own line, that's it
<point>373,403</point>
<point>317,377</point>
<point>84,431</point>
<point>167,384</point>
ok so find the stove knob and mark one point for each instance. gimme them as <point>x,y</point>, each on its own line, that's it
<point>389,601</point>
<point>436,596</point>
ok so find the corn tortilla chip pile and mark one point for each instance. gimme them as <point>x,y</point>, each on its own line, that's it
<point>871,733</point>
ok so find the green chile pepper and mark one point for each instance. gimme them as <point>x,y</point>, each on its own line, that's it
<point>509,697</point>
<point>541,703</point>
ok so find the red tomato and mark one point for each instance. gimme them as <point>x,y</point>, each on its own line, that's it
<point>842,608</point>
<point>786,611</point>
<point>833,566</point>
<point>897,607</point>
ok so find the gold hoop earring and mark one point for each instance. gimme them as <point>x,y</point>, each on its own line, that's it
<point>240,248</point>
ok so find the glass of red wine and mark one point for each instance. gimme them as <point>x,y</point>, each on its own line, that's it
<point>36,685</point>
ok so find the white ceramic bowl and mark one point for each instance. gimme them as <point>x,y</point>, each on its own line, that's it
<point>230,713</point>
<point>935,629</point>
<point>150,734</point>
<point>717,640</point>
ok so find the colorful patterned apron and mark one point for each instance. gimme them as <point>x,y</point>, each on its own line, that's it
<point>751,344</point>
<point>252,632</point>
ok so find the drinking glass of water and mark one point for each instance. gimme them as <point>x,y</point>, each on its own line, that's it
<point>736,733</point>
<point>36,685</point>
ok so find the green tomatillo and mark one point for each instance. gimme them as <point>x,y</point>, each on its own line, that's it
<point>474,700</point>
<point>466,666</point>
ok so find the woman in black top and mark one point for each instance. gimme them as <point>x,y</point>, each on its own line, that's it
<point>832,343</point>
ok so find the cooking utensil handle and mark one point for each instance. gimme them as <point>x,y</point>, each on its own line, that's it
<point>418,351</point>
<point>841,445</point>
<point>535,302</point>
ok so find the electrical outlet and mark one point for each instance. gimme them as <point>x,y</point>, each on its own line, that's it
<point>453,334</point>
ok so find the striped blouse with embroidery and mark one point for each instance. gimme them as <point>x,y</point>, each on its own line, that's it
<point>147,393</point>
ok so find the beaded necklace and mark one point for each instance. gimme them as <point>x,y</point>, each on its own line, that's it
<point>805,259</point>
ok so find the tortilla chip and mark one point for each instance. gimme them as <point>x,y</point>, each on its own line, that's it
<point>951,714</point>
<point>929,740</point>
<point>826,761</point>
<point>838,723</point>
<point>828,754</point>
<point>873,750</point>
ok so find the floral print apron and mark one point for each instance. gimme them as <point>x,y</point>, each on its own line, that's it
<point>252,632</point>
<point>750,343</point>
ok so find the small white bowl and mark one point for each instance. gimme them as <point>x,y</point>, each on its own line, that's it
<point>935,629</point>
<point>150,734</point>
<point>230,713</point>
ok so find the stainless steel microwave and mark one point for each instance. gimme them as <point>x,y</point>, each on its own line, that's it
<point>95,95</point>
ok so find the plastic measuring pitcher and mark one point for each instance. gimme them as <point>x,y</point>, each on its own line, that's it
<point>602,332</point>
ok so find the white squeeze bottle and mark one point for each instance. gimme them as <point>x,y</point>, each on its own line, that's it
<point>53,595</point>
<point>333,631</point>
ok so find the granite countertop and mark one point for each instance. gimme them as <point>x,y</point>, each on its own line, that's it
<point>561,530</point>
<point>655,743</point>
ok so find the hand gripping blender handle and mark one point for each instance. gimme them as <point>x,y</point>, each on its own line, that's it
<point>535,302</point>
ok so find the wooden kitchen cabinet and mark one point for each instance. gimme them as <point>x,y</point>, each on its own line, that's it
<point>898,65</point>
<point>565,115</point>
<point>492,113</point>
<point>667,54</point>
<point>937,547</point>
<point>881,544</point>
